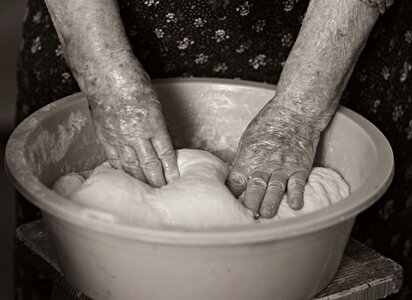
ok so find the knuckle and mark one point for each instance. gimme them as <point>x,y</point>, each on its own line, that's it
<point>111,153</point>
<point>297,184</point>
<point>257,182</point>
<point>130,162</point>
<point>277,185</point>
<point>151,164</point>
<point>167,155</point>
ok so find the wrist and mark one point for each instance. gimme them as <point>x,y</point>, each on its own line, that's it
<point>303,112</point>
<point>122,78</point>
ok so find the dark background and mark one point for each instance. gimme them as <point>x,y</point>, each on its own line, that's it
<point>11,16</point>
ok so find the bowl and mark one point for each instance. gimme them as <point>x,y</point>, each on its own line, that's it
<point>105,259</point>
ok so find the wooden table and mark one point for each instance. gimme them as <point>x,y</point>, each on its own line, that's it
<point>363,273</point>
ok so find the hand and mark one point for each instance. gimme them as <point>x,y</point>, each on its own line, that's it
<point>129,122</point>
<point>275,155</point>
<point>126,112</point>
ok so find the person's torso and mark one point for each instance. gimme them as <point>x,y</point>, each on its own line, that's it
<point>214,38</point>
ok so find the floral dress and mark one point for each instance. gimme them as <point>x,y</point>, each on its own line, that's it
<point>249,40</point>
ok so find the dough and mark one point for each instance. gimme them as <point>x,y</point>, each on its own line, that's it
<point>199,199</point>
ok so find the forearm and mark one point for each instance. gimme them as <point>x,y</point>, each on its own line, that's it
<point>95,44</point>
<point>319,66</point>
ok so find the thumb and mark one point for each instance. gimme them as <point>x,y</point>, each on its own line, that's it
<point>236,182</point>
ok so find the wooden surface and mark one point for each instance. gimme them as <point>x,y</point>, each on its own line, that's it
<point>362,275</point>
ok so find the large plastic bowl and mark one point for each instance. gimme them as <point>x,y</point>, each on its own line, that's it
<point>291,259</point>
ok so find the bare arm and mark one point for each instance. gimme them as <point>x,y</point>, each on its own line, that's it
<point>321,62</point>
<point>92,34</point>
<point>126,112</point>
<point>277,149</point>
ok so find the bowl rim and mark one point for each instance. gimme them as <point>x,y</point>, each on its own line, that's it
<point>18,168</point>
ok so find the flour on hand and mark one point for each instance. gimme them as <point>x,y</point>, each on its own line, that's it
<point>198,199</point>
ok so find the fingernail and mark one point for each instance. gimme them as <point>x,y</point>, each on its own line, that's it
<point>295,204</point>
<point>116,163</point>
<point>267,212</point>
<point>172,176</point>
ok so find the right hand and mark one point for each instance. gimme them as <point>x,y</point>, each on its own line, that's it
<point>129,122</point>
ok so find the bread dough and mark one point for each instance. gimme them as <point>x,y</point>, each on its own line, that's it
<point>198,199</point>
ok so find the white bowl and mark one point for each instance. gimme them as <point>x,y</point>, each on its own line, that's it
<point>292,259</point>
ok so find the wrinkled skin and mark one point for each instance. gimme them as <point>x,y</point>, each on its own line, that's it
<point>130,125</point>
<point>275,154</point>
<point>277,150</point>
<point>126,111</point>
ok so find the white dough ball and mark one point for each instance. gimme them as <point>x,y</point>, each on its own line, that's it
<point>198,199</point>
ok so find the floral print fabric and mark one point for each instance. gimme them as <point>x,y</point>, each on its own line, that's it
<point>251,40</point>
<point>382,5</point>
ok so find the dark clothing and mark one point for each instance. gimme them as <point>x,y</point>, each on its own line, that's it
<point>251,40</point>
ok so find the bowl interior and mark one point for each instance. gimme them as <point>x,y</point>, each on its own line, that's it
<point>213,118</point>
<point>200,113</point>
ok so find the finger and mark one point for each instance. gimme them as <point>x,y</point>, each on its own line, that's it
<point>255,191</point>
<point>150,163</point>
<point>112,155</point>
<point>236,181</point>
<point>274,194</point>
<point>131,163</point>
<point>295,189</point>
<point>164,149</point>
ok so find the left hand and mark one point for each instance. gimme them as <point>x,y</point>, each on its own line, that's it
<point>275,155</point>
